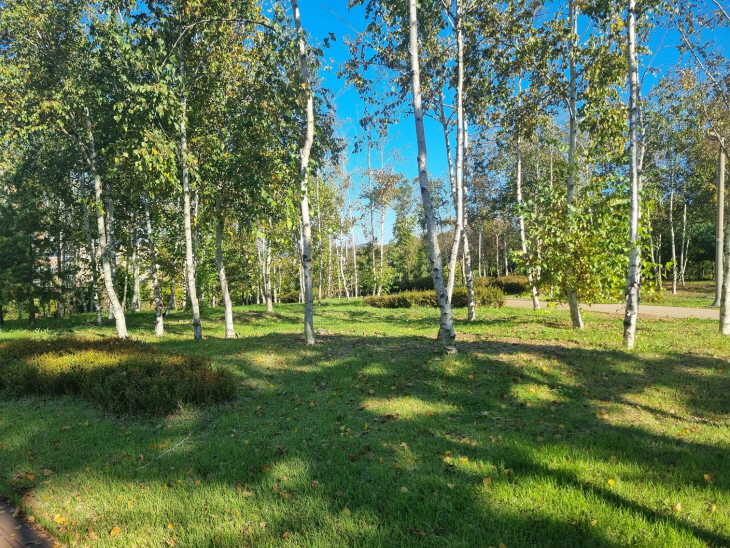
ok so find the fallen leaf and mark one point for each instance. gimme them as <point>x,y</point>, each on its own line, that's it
<point>611,482</point>
<point>404,489</point>
<point>60,519</point>
<point>487,482</point>
<point>677,507</point>
<point>709,478</point>
<point>594,522</point>
<point>502,545</point>
<point>170,526</point>
<point>287,496</point>
<point>65,428</point>
<point>115,532</point>
<point>613,459</point>
<point>346,511</point>
<point>286,534</point>
<point>262,525</point>
<point>47,472</point>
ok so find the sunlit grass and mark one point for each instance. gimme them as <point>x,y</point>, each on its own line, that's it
<point>533,435</point>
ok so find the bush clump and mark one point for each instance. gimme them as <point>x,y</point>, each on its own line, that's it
<point>484,295</point>
<point>510,285</point>
<point>291,297</point>
<point>120,376</point>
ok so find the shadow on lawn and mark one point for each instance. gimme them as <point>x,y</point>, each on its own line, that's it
<point>307,411</point>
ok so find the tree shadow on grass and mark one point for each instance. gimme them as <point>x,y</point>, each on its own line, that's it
<point>308,414</point>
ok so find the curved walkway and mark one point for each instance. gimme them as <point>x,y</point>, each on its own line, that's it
<point>651,310</point>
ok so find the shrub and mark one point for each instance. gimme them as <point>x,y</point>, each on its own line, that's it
<point>120,376</point>
<point>510,285</point>
<point>488,296</point>
<point>291,297</point>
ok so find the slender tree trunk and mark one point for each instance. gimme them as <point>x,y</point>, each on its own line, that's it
<point>570,291</point>
<point>159,320</point>
<point>496,249</point>
<point>446,330</point>
<point>136,297</point>
<point>720,226</point>
<point>354,263</point>
<point>112,242</point>
<point>725,297</point>
<point>319,237</point>
<point>101,224</point>
<point>505,252</point>
<point>382,249</point>
<point>523,239</point>
<point>684,246</point>
<point>342,268</point>
<point>92,258</point>
<point>303,177</point>
<point>329,267</point>
<point>126,280</point>
<point>451,260</point>
<point>467,267</point>
<point>59,272</point>
<point>189,255</point>
<point>671,229</point>
<point>372,215</point>
<point>633,278</point>
<point>267,276</point>
<point>222,278</point>
<point>481,272</point>
<point>2,316</point>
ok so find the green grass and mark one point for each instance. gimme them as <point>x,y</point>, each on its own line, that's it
<point>533,435</point>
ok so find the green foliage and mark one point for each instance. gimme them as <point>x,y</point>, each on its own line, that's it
<point>510,285</point>
<point>484,295</point>
<point>122,376</point>
<point>291,297</point>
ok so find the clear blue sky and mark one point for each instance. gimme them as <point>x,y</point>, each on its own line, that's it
<point>319,20</point>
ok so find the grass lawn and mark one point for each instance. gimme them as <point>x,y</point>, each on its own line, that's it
<point>533,435</point>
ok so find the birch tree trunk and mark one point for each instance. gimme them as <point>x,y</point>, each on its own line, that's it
<point>329,266</point>
<point>111,242</point>
<point>684,246</point>
<point>342,268</point>
<point>159,320</point>
<point>671,229</point>
<point>115,306</point>
<point>136,297</point>
<point>523,238</point>
<point>319,237</point>
<point>303,176</point>
<point>633,278</point>
<point>725,297</point>
<point>354,263</point>
<point>267,276</point>
<point>720,226</point>
<point>222,278</point>
<point>92,258</point>
<point>446,330</point>
<point>467,267</point>
<point>189,256</point>
<point>570,292</point>
<point>382,251</point>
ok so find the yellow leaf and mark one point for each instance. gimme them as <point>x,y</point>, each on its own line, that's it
<point>47,472</point>
<point>709,478</point>
<point>60,519</point>
<point>346,511</point>
<point>487,482</point>
<point>502,545</point>
<point>611,482</point>
<point>594,522</point>
<point>404,489</point>
<point>464,459</point>
<point>170,526</point>
<point>677,507</point>
<point>115,532</point>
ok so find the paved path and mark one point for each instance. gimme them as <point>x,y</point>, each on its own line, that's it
<point>650,310</point>
<point>14,534</point>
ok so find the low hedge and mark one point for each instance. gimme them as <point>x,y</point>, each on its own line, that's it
<point>120,376</point>
<point>484,295</point>
<point>510,285</point>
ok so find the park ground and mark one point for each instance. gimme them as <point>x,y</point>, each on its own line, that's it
<point>533,435</point>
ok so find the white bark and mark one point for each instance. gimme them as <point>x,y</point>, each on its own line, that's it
<point>720,226</point>
<point>230,332</point>
<point>633,278</point>
<point>446,330</point>
<point>570,291</point>
<point>523,237</point>
<point>115,306</point>
<point>159,319</point>
<point>92,258</point>
<point>725,296</point>
<point>671,228</point>
<point>189,255</point>
<point>303,176</point>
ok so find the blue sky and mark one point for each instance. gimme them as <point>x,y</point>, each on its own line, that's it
<point>319,18</point>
